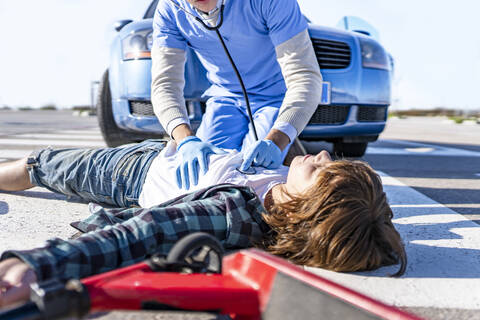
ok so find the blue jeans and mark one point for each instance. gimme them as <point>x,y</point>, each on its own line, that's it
<point>113,176</point>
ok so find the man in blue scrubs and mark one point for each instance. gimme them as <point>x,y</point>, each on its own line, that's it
<point>269,43</point>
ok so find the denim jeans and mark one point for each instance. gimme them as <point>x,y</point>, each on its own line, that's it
<point>113,176</point>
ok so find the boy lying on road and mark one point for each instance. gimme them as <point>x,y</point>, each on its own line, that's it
<point>317,212</point>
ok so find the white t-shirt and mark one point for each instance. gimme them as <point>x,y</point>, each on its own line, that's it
<point>160,184</point>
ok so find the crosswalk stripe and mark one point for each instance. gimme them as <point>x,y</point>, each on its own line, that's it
<point>21,145</point>
<point>59,143</point>
<point>89,132</point>
<point>71,136</point>
<point>420,149</point>
<point>14,153</point>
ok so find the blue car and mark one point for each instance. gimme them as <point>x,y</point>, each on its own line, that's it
<point>356,70</point>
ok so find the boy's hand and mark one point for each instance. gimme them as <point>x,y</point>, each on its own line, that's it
<point>15,279</point>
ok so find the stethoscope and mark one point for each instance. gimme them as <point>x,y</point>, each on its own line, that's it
<point>216,28</point>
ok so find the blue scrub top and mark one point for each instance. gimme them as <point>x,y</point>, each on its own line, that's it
<point>251,29</point>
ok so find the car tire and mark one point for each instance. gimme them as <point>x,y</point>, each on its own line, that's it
<point>112,134</point>
<point>349,149</point>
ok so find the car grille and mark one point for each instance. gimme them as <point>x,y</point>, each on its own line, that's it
<point>141,108</point>
<point>371,114</point>
<point>323,114</point>
<point>332,54</point>
<point>330,115</point>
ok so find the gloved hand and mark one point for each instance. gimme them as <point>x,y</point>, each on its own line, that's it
<point>263,153</point>
<point>194,157</point>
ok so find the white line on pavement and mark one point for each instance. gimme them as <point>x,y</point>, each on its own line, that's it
<point>443,249</point>
<point>421,149</point>
<point>71,136</point>
<point>13,153</point>
<point>59,143</point>
<point>89,132</point>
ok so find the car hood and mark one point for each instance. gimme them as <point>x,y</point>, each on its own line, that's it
<point>314,30</point>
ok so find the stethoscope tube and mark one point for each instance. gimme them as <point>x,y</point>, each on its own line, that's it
<point>247,102</point>
<point>245,94</point>
<point>237,73</point>
<point>210,27</point>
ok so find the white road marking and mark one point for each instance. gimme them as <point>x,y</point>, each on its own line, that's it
<point>89,132</point>
<point>443,249</point>
<point>435,205</point>
<point>59,143</point>
<point>71,136</point>
<point>421,149</point>
<point>14,153</point>
<point>443,246</point>
<point>33,141</point>
<point>60,139</point>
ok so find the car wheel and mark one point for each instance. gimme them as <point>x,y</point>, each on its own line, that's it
<point>112,134</point>
<point>349,149</point>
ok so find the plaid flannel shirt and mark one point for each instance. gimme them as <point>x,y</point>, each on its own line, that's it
<point>121,237</point>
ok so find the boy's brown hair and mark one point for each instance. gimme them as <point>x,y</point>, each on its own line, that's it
<point>342,223</point>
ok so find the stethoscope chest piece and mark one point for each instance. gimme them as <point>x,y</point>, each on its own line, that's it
<point>249,171</point>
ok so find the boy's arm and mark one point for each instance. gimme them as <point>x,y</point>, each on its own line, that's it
<point>227,215</point>
<point>15,279</point>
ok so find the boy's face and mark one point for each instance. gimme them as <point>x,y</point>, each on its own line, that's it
<point>304,171</point>
<point>203,5</point>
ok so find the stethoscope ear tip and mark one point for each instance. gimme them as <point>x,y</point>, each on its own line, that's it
<point>249,171</point>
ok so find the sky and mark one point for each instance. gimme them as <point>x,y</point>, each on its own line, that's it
<point>52,50</point>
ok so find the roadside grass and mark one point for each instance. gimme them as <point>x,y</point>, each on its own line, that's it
<point>460,120</point>
<point>48,107</point>
<point>457,116</point>
<point>25,108</point>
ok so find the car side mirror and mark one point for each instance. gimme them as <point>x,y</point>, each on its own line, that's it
<point>120,24</point>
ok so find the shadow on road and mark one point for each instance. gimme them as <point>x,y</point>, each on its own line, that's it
<point>461,200</point>
<point>43,195</point>
<point>469,147</point>
<point>451,166</point>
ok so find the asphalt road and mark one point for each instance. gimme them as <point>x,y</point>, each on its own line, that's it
<point>432,155</point>
<point>440,160</point>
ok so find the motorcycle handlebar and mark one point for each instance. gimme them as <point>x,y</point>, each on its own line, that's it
<point>28,311</point>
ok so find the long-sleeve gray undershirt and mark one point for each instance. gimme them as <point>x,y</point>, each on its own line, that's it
<point>298,64</point>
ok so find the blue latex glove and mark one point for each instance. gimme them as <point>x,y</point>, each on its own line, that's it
<point>194,158</point>
<point>263,153</point>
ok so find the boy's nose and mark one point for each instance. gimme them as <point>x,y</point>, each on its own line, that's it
<point>323,156</point>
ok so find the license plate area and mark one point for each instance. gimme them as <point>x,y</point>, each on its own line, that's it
<point>326,93</point>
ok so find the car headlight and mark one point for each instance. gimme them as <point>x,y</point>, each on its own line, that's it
<point>373,54</point>
<point>137,45</point>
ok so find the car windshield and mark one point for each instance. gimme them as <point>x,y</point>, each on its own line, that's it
<point>151,10</point>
